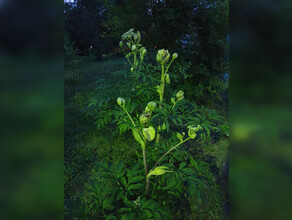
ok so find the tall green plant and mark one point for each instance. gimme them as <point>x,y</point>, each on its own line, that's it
<point>163,57</point>
<point>144,132</point>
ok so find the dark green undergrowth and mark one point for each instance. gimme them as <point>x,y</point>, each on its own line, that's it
<point>103,178</point>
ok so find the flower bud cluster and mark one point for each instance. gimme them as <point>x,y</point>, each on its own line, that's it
<point>180,136</point>
<point>132,39</point>
<point>180,95</point>
<point>163,56</point>
<point>144,118</point>
<point>192,131</point>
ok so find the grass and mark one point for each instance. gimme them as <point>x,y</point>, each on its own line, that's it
<point>84,144</point>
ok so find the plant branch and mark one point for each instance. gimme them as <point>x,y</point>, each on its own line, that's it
<point>171,149</point>
<point>168,65</point>
<point>127,57</point>
<point>130,117</point>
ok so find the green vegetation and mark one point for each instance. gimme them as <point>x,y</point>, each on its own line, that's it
<point>113,167</point>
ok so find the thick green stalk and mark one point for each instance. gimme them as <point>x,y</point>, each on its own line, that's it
<point>144,155</point>
<point>162,85</point>
<point>161,94</point>
<point>145,165</point>
<point>146,170</point>
<point>135,67</point>
<point>147,186</point>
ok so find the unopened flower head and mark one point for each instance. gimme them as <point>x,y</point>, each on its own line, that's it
<point>134,47</point>
<point>121,102</point>
<point>151,105</point>
<point>143,119</point>
<point>180,95</point>
<point>162,56</point>
<point>174,56</point>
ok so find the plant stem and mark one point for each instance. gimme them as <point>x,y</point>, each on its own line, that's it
<point>135,67</point>
<point>147,186</point>
<point>141,61</point>
<point>173,106</point>
<point>161,95</point>
<point>146,169</point>
<point>127,58</point>
<point>162,86</point>
<point>171,149</point>
<point>130,117</point>
<point>145,161</point>
<point>155,185</point>
<point>168,66</point>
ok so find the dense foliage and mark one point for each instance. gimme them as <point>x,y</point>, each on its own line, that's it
<point>105,179</point>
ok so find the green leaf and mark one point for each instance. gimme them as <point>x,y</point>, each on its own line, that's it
<point>160,170</point>
<point>129,216</point>
<point>182,165</point>
<point>138,138</point>
<point>188,171</point>
<point>120,174</point>
<point>128,55</point>
<point>147,213</point>
<point>171,181</point>
<point>149,133</point>
<point>194,163</point>
<point>111,217</point>
<point>135,186</point>
<point>129,203</point>
<point>123,180</point>
<point>148,204</point>
<point>107,203</point>
<point>167,126</point>
<point>137,179</point>
<point>156,215</point>
<point>124,210</point>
